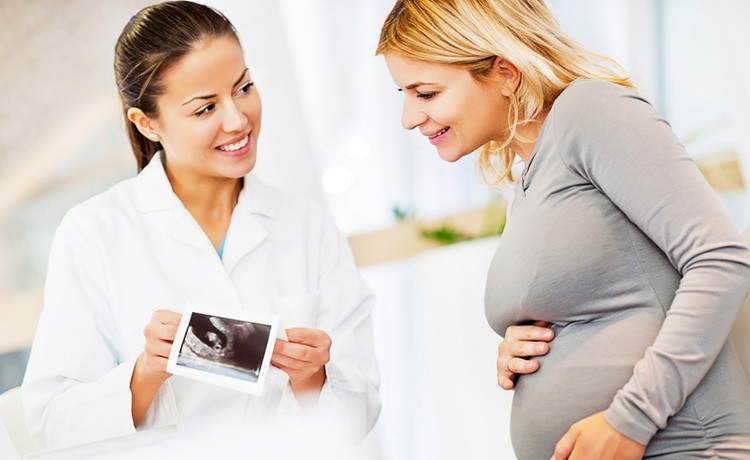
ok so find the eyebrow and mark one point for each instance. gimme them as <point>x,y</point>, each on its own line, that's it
<point>211,96</point>
<point>414,85</point>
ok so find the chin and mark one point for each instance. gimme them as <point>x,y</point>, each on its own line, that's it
<point>241,169</point>
<point>248,167</point>
<point>451,156</point>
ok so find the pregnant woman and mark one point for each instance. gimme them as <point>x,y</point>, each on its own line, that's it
<point>613,240</point>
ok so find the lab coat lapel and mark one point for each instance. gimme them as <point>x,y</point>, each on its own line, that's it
<point>184,228</point>
<point>245,234</point>
<point>156,199</point>
<point>159,204</point>
<point>246,231</point>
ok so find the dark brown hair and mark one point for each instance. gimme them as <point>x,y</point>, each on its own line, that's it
<point>155,39</point>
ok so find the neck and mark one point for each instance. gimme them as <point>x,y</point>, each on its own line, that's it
<point>526,137</point>
<point>210,200</point>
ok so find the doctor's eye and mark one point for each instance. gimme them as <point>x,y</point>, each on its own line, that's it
<point>245,88</point>
<point>205,110</point>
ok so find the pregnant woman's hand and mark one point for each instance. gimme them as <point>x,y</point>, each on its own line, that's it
<point>521,342</point>
<point>303,357</point>
<point>593,438</point>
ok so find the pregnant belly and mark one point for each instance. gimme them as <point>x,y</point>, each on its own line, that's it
<point>586,366</point>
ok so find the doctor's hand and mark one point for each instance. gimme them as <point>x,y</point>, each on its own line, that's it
<point>594,438</point>
<point>521,342</point>
<point>303,357</point>
<point>159,332</point>
<point>151,366</point>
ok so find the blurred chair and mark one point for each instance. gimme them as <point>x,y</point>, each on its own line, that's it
<point>13,422</point>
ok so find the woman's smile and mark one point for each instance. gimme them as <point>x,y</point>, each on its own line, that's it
<point>236,147</point>
<point>439,137</point>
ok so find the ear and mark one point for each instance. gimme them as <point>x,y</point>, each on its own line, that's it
<point>509,75</point>
<point>143,123</point>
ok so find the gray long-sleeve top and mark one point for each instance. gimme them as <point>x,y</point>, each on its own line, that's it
<point>616,238</point>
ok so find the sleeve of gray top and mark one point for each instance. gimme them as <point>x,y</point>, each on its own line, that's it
<point>621,144</point>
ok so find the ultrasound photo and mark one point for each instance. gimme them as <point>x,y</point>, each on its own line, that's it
<point>224,346</point>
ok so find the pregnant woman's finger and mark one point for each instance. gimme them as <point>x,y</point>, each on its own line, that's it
<point>523,366</point>
<point>506,380</point>
<point>537,332</point>
<point>526,349</point>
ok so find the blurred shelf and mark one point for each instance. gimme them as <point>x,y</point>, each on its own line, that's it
<point>19,313</point>
<point>405,240</point>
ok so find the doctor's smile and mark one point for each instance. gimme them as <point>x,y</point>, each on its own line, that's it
<point>236,147</point>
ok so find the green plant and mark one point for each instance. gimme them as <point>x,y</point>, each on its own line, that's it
<point>445,235</point>
<point>402,213</point>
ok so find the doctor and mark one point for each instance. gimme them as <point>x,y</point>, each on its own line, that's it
<point>194,226</point>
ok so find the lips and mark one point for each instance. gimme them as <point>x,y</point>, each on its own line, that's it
<point>435,134</point>
<point>235,145</point>
<point>438,137</point>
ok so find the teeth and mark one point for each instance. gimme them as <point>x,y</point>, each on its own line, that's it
<point>235,146</point>
<point>441,132</point>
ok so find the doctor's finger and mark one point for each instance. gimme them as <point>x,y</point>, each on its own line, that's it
<point>167,316</point>
<point>289,363</point>
<point>155,330</point>
<point>157,348</point>
<point>164,332</point>
<point>312,337</point>
<point>301,352</point>
<point>292,350</point>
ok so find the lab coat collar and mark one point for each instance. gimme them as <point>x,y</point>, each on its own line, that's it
<point>258,198</point>
<point>155,192</point>
<point>256,202</point>
<point>246,232</point>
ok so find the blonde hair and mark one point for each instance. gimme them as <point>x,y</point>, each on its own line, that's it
<point>470,34</point>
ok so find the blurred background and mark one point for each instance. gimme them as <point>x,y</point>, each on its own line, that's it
<point>423,231</point>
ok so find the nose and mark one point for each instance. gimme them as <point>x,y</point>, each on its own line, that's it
<point>234,119</point>
<point>412,117</point>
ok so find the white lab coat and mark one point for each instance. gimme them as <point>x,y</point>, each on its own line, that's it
<point>135,248</point>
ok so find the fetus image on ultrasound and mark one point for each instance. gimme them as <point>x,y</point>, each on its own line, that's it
<point>224,346</point>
